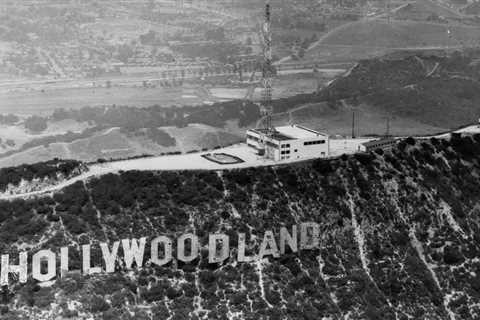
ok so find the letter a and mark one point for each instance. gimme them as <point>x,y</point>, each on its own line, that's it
<point>268,246</point>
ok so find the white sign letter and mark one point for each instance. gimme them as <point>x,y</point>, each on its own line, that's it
<point>285,237</point>
<point>20,268</point>
<point>309,235</point>
<point>44,255</point>
<point>87,268</point>
<point>63,261</point>
<point>133,251</point>
<point>241,257</point>
<point>181,247</point>
<point>167,255</point>
<point>109,257</point>
<point>215,256</point>
<point>268,246</point>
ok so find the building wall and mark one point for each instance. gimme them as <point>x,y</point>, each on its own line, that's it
<point>291,149</point>
<point>297,149</point>
<point>254,140</point>
<point>379,144</point>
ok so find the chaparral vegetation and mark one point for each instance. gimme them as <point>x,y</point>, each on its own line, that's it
<point>399,239</point>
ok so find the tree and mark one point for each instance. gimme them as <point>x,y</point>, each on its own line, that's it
<point>301,52</point>
<point>8,119</point>
<point>125,52</point>
<point>36,124</point>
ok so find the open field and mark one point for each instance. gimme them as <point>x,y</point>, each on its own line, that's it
<point>43,103</point>
<point>119,29</point>
<point>113,143</point>
<point>19,135</point>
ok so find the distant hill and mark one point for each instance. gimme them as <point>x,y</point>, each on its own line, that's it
<point>420,94</point>
<point>437,91</point>
<point>473,8</point>
<point>369,38</point>
<point>424,10</point>
<point>400,34</point>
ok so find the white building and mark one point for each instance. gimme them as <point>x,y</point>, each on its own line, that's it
<point>289,142</point>
<point>384,144</point>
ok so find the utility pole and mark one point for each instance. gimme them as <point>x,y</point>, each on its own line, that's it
<point>353,124</point>
<point>388,128</point>
<point>387,10</point>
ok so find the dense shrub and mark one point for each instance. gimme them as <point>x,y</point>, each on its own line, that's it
<point>36,124</point>
<point>40,170</point>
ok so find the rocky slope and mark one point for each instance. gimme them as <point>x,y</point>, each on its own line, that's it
<point>399,240</point>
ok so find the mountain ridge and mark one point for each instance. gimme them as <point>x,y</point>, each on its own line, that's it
<point>395,241</point>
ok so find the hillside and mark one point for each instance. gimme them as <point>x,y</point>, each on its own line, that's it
<point>419,92</point>
<point>424,10</point>
<point>398,239</point>
<point>473,8</point>
<point>442,92</point>
<point>372,38</point>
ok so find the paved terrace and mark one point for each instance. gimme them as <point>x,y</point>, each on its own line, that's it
<point>192,161</point>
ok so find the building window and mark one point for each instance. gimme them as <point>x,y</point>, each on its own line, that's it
<point>309,143</point>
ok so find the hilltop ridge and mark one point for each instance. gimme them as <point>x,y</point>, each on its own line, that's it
<point>395,241</point>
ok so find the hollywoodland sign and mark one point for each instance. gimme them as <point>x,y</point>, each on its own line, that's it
<point>44,262</point>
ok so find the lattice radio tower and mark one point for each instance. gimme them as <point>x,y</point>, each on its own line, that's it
<point>267,69</point>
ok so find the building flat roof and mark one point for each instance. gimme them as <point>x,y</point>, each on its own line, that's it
<point>298,132</point>
<point>292,132</point>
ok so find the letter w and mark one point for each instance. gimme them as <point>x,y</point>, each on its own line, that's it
<point>133,252</point>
